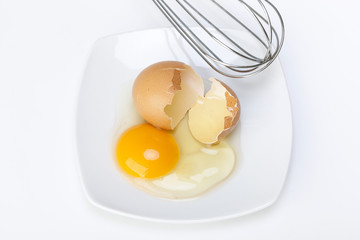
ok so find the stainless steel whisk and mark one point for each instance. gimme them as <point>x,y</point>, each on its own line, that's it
<point>268,37</point>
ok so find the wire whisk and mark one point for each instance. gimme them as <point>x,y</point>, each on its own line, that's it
<point>262,29</point>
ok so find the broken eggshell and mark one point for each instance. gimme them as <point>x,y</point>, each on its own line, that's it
<point>165,91</point>
<point>214,116</point>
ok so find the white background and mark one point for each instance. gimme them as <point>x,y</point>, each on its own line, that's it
<point>43,47</point>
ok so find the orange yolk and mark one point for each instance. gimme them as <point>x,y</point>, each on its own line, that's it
<point>147,152</point>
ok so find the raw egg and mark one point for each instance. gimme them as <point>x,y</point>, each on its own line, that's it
<point>199,166</point>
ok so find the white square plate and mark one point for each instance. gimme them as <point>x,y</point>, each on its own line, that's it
<point>265,132</point>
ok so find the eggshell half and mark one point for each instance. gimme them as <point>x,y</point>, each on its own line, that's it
<point>216,115</point>
<point>165,91</point>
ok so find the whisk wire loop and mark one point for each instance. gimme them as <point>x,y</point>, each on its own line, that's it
<point>270,38</point>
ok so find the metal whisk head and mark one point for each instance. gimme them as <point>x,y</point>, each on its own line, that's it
<point>229,56</point>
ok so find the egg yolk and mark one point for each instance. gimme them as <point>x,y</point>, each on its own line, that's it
<point>147,152</point>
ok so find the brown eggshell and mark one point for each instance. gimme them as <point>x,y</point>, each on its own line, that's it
<point>154,88</point>
<point>233,105</point>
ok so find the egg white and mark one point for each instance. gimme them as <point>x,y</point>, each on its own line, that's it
<point>199,168</point>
